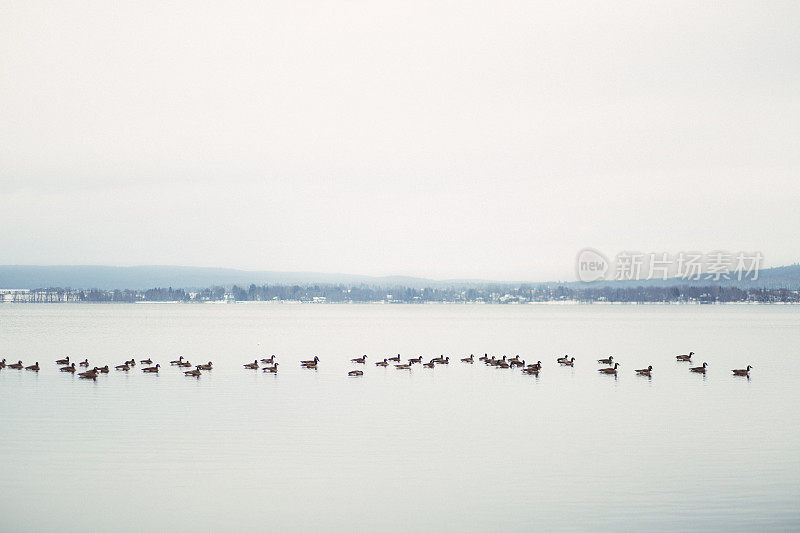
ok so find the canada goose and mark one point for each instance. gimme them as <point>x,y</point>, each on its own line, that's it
<point>185,364</point>
<point>484,358</point>
<point>3,363</point>
<point>563,359</point>
<point>470,359</point>
<point>645,371</point>
<point>132,362</point>
<point>271,369</point>
<point>355,373</point>
<point>124,367</point>
<point>568,362</point>
<point>147,361</point>
<point>362,360</point>
<point>514,359</point>
<point>533,370</point>
<point>495,362</point>
<point>208,366</point>
<point>35,367</point>
<point>612,370</point>
<point>700,369</point>
<point>382,363</point>
<point>16,366</point>
<point>177,361</point>
<point>269,360</point>
<point>685,357</point>
<point>429,364</point>
<point>395,359</point>
<point>85,362</point>
<point>403,367</point>
<point>312,362</point>
<point>517,362</point>
<point>195,373</point>
<point>502,364</point>
<point>152,369</point>
<point>89,374</point>
<point>70,368</point>
<point>537,365</point>
<point>103,369</point>
<point>608,361</point>
<point>445,361</point>
<point>253,365</point>
<point>64,361</point>
<point>415,360</point>
<point>742,371</point>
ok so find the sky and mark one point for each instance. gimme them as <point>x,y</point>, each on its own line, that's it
<point>460,139</point>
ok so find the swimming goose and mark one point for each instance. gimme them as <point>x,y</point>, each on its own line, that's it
<point>64,361</point>
<point>195,373</point>
<point>269,360</point>
<point>382,363</point>
<point>252,366</point>
<point>152,369</point>
<point>562,359</point>
<point>568,362</point>
<point>271,369</point>
<point>742,371</point>
<point>177,361</point>
<point>70,368</point>
<point>403,367</point>
<point>429,364</point>
<point>514,359</point>
<point>355,373</point>
<point>85,362</point>
<point>16,366</point>
<point>3,363</point>
<point>395,359</point>
<point>612,370</point>
<point>685,357</point>
<point>517,362</point>
<point>470,359</point>
<point>184,364</point>
<point>645,371</point>
<point>208,366</point>
<point>89,374</point>
<point>700,369</point>
<point>502,364</point>
<point>35,367</point>
<point>132,362</point>
<point>495,362</point>
<point>147,361</point>
<point>124,367</point>
<point>103,369</point>
<point>608,361</point>
<point>534,370</point>
<point>484,358</point>
<point>362,360</point>
<point>415,360</point>
<point>537,365</point>
<point>311,362</point>
<point>445,361</point>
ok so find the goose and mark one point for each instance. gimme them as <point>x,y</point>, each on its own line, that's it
<point>568,362</point>
<point>85,362</point>
<point>103,369</point>
<point>147,361</point>
<point>537,365</point>
<point>252,366</point>
<point>470,359</point>
<point>89,374</point>
<point>700,369</point>
<point>645,371</point>
<point>124,367</point>
<point>362,360</point>
<point>70,368</point>
<point>514,359</point>
<point>742,371</point>
<point>195,373</point>
<point>382,363</point>
<point>208,366</point>
<point>3,363</point>
<point>355,373</point>
<point>177,361</point>
<point>185,364</point>
<point>271,369</point>
<point>269,360</point>
<point>531,370</point>
<point>415,360</point>
<point>495,362</point>
<point>152,369</point>
<point>16,366</point>
<point>132,362</point>
<point>403,367</point>
<point>563,359</point>
<point>64,361</point>
<point>608,361</point>
<point>484,358</point>
<point>445,361</point>
<point>612,370</point>
<point>312,362</point>
<point>429,364</point>
<point>395,359</point>
<point>35,367</point>
<point>517,362</point>
<point>685,357</point>
<point>502,364</point>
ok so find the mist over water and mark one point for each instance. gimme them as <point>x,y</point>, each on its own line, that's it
<point>455,448</point>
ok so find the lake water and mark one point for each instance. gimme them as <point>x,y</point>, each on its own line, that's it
<point>458,448</point>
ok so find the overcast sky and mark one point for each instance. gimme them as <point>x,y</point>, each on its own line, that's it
<point>438,139</point>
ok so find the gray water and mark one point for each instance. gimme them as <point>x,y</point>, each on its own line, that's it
<point>458,448</point>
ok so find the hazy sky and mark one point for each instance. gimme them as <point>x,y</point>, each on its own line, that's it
<point>440,139</point>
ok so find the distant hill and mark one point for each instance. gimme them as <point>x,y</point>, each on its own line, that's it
<point>146,277</point>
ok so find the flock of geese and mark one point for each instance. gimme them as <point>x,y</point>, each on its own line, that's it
<point>270,366</point>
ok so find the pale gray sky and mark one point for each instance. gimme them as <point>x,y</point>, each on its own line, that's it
<point>440,139</point>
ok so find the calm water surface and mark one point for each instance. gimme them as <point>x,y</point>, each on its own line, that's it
<point>458,448</point>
